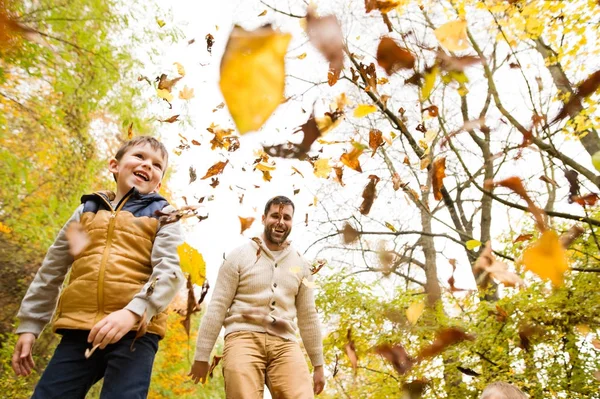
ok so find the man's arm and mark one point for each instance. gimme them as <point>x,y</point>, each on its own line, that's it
<point>39,302</point>
<point>308,322</point>
<point>222,297</point>
<point>164,283</point>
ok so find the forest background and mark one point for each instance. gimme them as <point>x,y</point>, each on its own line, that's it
<point>475,124</point>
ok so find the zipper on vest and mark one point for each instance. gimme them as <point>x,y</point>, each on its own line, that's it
<point>109,237</point>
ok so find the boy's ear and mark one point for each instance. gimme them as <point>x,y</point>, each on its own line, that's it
<point>157,188</point>
<point>113,166</point>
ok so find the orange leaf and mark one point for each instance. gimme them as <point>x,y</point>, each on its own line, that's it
<point>392,57</point>
<point>547,258</point>
<point>246,223</point>
<point>170,120</point>
<point>523,237</point>
<point>350,159</point>
<point>444,338</point>
<point>438,173</point>
<point>375,140</point>
<point>216,169</point>
<point>396,355</point>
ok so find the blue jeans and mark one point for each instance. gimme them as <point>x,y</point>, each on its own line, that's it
<point>70,375</point>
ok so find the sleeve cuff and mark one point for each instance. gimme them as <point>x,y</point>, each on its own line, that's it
<point>317,360</point>
<point>139,306</point>
<point>30,326</point>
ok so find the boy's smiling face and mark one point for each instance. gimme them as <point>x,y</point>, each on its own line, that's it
<point>141,167</point>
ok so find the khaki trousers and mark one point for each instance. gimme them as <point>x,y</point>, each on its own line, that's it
<point>253,359</point>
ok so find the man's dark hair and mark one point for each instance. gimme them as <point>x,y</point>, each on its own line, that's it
<point>279,200</point>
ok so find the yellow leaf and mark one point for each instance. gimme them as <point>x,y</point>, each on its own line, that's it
<point>180,69</point>
<point>391,227</point>
<point>326,124</point>
<point>428,83</point>
<point>265,167</point>
<point>350,159</point>
<point>186,93</point>
<point>322,168</point>
<point>253,75</point>
<point>453,35</point>
<point>363,110</point>
<point>192,263</point>
<point>4,228</point>
<point>547,258</point>
<point>472,244</point>
<point>414,311</point>
<point>301,56</point>
<point>160,22</point>
<point>164,94</point>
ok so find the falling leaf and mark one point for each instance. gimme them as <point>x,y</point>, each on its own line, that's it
<point>350,350</point>
<point>174,215</point>
<point>301,56</point>
<point>455,64</point>
<point>444,338</point>
<point>472,244</point>
<point>322,168</point>
<point>488,263</point>
<point>245,223</point>
<point>319,265</point>
<point>523,237</point>
<point>397,182</point>
<point>453,35</point>
<point>262,14</point>
<point>396,355</point>
<point>369,195</point>
<point>167,84</point>
<point>130,131</point>
<point>210,40</point>
<point>391,227</point>
<point>160,22</point>
<point>253,75</point>
<point>266,175</point>
<point>363,110</point>
<point>191,306</point>
<point>165,95</point>
<point>180,68</point>
<point>375,140</point>
<point>339,173</point>
<point>326,35</point>
<point>547,258</point>
<point>392,57</point>
<point>572,178</point>
<point>468,372</point>
<point>384,6</point>
<point>438,172</point>
<point>77,238</point>
<point>585,200</point>
<point>311,132</point>
<point>351,159</point>
<point>349,234</point>
<point>548,180</point>
<point>191,41</point>
<point>265,167</point>
<point>414,311</point>
<point>526,332</point>
<point>216,169</point>
<point>193,175</point>
<point>429,81</point>
<point>214,182</point>
<point>170,119</point>
<point>567,238</point>
<point>192,263</point>
<point>584,89</point>
<point>186,93</point>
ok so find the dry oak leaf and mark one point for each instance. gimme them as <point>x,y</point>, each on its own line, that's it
<point>369,195</point>
<point>392,57</point>
<point>350,159</point>
<point>77,238</point>
<point>326,35</point>
<point>167,84</point>
<point>216,169</point>
<point>384,6</point>
<point>547,258</point>
<point>444,338</point>
<point>396,355</point>
<point>170,119</point>
<point>245,223</point>
<point>438,172</point>
<point>453,35</point>
<point>253,75</point>
<point>375,140</point>
<point>349,234</point>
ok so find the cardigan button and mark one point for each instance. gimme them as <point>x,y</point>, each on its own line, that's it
<point>273,303</point>
<point>275,285</point>
<point>275,264</point>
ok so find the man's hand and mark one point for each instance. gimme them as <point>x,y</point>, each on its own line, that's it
<point>318,380</point>
<point>112,328</point>
<point>22,361</point>
<point>199,371</point>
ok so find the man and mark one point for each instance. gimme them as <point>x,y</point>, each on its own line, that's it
<point>261,288</point>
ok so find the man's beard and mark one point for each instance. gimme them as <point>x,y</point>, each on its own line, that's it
<point>269,235</point>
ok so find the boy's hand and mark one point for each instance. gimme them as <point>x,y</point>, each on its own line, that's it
<point>112,328</point>
<point>199,371</point>
<point>318,380</point>
<point>22,361</point>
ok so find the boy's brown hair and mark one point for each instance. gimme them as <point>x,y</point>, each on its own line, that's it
<point>502,390</point>
<point>141,140</point>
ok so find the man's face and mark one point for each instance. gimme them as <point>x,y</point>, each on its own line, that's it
<point>141,167</point>
<point>278,223</point>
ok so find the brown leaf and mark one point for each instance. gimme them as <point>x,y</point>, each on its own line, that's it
<point>526,332</point>
<point>245,223</point>
<point>350,159</point>
<point>369,195</point>
<point>311,133</point>
<point>468,372</point>
<point>444,338</point>
<point>349,233</point>
<point>339,173</point>
<point>166,84</point>
<point>205,287</point>
<point>193,175</point>
<point>392,57</point>
<point>176,214</point>
<point>210,40</point>
<point>192,306</point>
<point>396,355</point>
<point>584,89</point>
<point>350,350</point>
<point>523,237</point>
<point>432,110</point>
<point>455,64</point>
<point>216,169</point>
<point>169,120</point>
<point>567,238</point>
<point>585,200</point>
<point>571,176</point>
<point>326,35</point>
<point>438,172</point>
<point>384,6</point>
<point>262,14</point>
<point>191,41</point>
<point>414,389</point>
<point>316,268</point>
<point>77,238</point>
<point>214,182</point>
<point>548,180</point>
<point>375,140</point>
<point>488,263</point>
<point>130,131</point>
<point>516,184</point>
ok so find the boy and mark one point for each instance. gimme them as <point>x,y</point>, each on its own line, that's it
<point>502,390</point>
<point>126,276</point>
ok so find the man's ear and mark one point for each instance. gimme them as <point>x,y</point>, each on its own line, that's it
<point>263,219</point>
<point>113,166</point>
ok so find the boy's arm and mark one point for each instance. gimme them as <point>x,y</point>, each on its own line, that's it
<point>222,297</point>
<point>39,302</point>
<point>308,322</point>
<point>166,279</point>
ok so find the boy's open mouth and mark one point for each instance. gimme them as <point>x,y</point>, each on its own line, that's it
<point>142,175</point>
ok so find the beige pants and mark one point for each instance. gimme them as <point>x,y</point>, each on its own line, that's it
<point>253,359</point>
